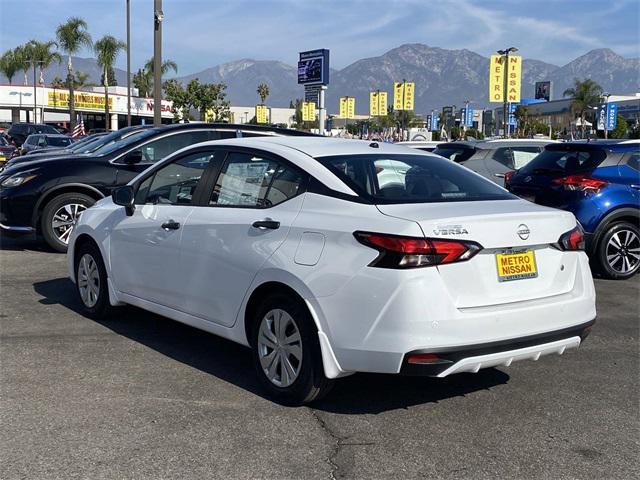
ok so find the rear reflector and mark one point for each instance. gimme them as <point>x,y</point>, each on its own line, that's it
<point>424,358</point>
<point>580,183</point>
<point>410,252</point>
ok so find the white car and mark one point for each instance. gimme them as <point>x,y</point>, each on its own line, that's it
<point>310,252</point>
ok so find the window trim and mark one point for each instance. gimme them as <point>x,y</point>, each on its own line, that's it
<point>304,184</point>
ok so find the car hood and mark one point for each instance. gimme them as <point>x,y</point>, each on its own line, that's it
<point>26,163</point>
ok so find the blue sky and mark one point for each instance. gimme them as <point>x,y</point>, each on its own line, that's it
<point>203,33</point>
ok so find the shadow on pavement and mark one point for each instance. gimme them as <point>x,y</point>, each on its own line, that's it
<point>23,244</point>
<point>356,394</point>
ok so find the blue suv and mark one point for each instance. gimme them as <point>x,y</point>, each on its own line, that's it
<point>599,182</point>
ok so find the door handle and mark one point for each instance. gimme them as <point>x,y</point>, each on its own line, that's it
<point>266,224</point>
<point>171,225</point>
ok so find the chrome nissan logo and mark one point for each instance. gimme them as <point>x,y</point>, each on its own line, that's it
<point>523,231</point>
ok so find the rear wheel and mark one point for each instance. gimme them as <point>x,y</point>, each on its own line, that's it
<point>59,218</point>
<point>286,351</point>
<point>618,252</point>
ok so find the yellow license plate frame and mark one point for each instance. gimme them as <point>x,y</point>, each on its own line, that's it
<point>516,265</point>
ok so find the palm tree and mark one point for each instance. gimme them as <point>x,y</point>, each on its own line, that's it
<point>43,54</point>
<point>263,92</point>
<point>22,56</point>
<point>107,50</point>
<point>72,36</point>
<point>8,65</point>
<point>586,95</point>
<point>143,79</point>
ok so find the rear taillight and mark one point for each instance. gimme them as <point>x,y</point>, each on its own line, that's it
<point>580,183</point>
<point>411,252</point>
<point>572,240</point>
<point>508,176</point>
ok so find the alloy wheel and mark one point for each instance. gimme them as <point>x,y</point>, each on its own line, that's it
<point>88,280</point>
<point>65,219</point>
<point>623,251</point>
<point>280,348</point>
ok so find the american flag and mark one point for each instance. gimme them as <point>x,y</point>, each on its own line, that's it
<point>78,130</point>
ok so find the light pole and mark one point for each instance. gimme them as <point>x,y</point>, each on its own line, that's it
<point>128,63</point>
<point>505,115</point>
<point>158,17</point>
<point>606,120</point>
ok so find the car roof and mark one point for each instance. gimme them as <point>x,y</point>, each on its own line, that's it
<point>318,146</point>
<point>234,126</point>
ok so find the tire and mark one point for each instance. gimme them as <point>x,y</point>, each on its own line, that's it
<point>64,210</point>
<point>91,281</point>
<point>307,383</point>
<point>618,251</point>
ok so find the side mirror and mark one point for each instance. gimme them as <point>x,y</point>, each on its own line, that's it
<point>134,156</point>
<point>125,197</point>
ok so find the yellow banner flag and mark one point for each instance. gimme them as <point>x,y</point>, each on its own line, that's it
<point>261,113</point>
<point>347,107</point>
<point>374,104</point>
<point>514,71</point>
<point>496,79</point>
<point>409,88</point>
<point>382,104</point>
<point>308,111</point>
<point>398,95</point>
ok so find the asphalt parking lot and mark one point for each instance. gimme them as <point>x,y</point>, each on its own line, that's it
<point>139,396</point>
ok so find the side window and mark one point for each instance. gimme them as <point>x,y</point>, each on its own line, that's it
<point>523,155</point>
<point>175,184</point>
<point>633,160</point>
<point>252,181</point>
<point>162,147</point>
<point>505,157</point>
<point>42,142</point>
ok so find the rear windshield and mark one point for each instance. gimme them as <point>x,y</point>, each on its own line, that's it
<point>411,179</point>
<point>58,141</point>
<point>564,161</point>
<point>456,153</point>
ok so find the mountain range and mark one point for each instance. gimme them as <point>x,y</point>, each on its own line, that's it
<point>442,77</point>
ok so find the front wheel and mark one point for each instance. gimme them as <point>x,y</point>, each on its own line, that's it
<point>618,252</point>
<point>286,352</point>
<point>59,218</point>
<point>91,281</point>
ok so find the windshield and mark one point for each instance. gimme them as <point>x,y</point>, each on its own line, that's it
<point>115,144</point>
<point>564,161</point>
<point>457,153</point>
<point>58,141</point>
<point>411,179</point>
<point>89,145</point>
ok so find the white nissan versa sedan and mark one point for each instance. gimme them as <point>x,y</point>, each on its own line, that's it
<point>329,257</point>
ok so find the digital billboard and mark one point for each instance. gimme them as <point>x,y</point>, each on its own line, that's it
<point>543,91</point>
<point>313,67</point>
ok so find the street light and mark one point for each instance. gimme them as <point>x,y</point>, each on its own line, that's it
<point>158,17</point>
<point>505,53</point>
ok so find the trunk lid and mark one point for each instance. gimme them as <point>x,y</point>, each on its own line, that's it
<point>500,227</point>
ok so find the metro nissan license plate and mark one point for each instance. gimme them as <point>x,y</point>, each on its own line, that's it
<point>516,266</point>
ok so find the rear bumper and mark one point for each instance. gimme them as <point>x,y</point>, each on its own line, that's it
<point>472,358</point>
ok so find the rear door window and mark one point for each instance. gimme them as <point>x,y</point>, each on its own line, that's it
<point>565,162</point>
<point>253,181</point>
<point>165,146</point>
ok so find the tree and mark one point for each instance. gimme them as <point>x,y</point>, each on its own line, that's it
<point>71,37</point>
<point>621,128</point>
<point>107,50</point>
<point>586,95</point>
<point>181,102</point>
<point>8,65</point>
<point>263,92</point>
<point>22,56</point>
<point>143,79</point>
<point>43,54</point>
<point>209,99</point>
